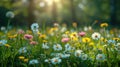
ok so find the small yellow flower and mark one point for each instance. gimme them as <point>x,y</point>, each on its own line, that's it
<point>74,24</point>
<point>26,60</point>
<point>7,45</point>
<point>55,29</point>
<point>67,32</point>
<point>103,39</point>
<point>86,39</point>
<point>12,36</point>
<point>116,39</point>
<point>74,38</point>
<point>104,25</point>
<point>74,34</point>
<point>91,44</point>
<point>43,36</point>
<point>44,41</point>
<point>111,32</point>
<point>38,33</point>
<point>21,57</point>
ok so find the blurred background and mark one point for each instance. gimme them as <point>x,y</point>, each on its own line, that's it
<point>83,12</point>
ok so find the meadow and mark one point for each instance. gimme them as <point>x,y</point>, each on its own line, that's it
<point>60,46</point>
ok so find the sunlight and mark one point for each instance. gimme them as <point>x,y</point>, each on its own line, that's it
<point>41,4</point>
<point>49,2</point>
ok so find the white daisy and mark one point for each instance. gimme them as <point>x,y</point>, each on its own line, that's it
<point>67,47</point>
<point>3,42</point>
<point>84,57</point>
<point>34,61</point>
<point>56,60</point>
<point>100,57</point>
<point>65,55</point>
<point>78,53</point>
<point>45,46</point>
<point>22,50</point>
<point>117,47</point>
<point>96,35</point>
<point>57,47</point>
<point>34,27</point>
<point>10,14</point>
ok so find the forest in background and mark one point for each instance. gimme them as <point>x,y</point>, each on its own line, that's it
<point>83,12</point>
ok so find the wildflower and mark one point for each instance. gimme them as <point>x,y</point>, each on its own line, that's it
<point>84,57</point>
<point>56,60</point>
<point>22,50</point>
<point>10,14</point>
<point>44,41</point>
<point>117,47</point>
<point>59,55</point>
<point>43,36</point>
<point>34,61</point>
<point>67,47</point>
<point>33,42</point>
<point>116,39</point>
<point>3,28</point>
<point>89,28</point>
<point>78,53</point>
<point>7,45</point>
<point>67,32</point>
<point>64,35</point>
<point>34,27</point>
<point>74,24</point>
<point>96,35</point>
<point>65,39</point>
<point>47,60</point>
<point>20,31</point>
<point>81,34</point>
<point>65,55</point>
<point>56,24</point>
<point>86,39</point>
<point>13,36</point>
<point>21,57</point>
<point>85,28</point>
<point>103,39</point>
<point>74,34</point>
<point>91,44</point>
<point>100,57</point>
<point>57,47</point>
<point>3,42</point>
<point>63,29</point>
<point>26,60</point>
<point>104,25</point>
<point>111,41</point>
<point>74,38</point>
<point>28,37</point>
<point>45,46</point>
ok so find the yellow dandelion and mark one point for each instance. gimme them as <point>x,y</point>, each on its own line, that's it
<point>116,39</point>
<point>86,39</point>
<point>74,38</point>
<point>26,60</point>
<point>103,39</point>
<point>67,32</point>
<point>91,44</point>
<point>43,36</point>
<point>21,57</point>
<point>104,25</point>
<point>74,24</point>
<point>74,34</point>
<point>7,45</point>
<point>44,41</point>
<point>38,33</point>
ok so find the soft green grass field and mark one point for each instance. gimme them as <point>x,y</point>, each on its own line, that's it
<point>59,46</point>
